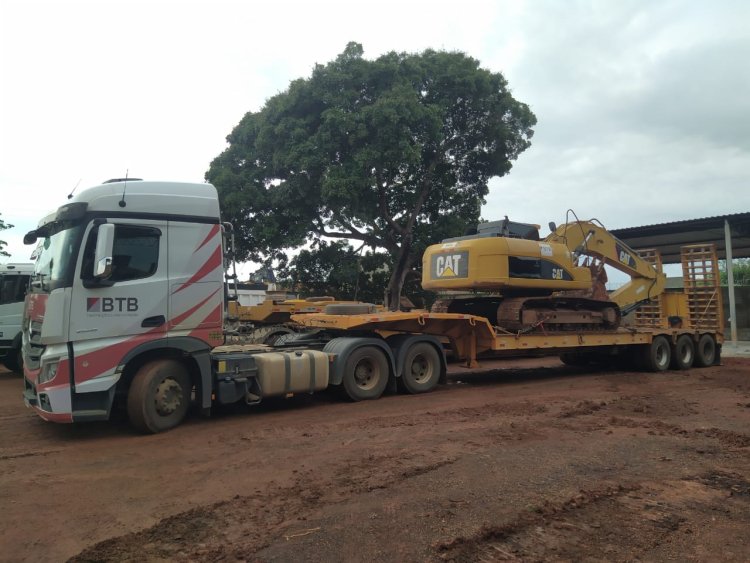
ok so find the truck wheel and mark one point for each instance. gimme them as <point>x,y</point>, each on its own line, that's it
<point>159,396</point>
<point>421,368</point>
<point>683,353</point>
<point>657,355</point>
<point>705,352</point>
<point>279,336</point>
<point>13,360</point>
<point>365,374</point>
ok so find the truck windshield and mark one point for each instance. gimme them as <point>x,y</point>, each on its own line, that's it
<point>55,256</point>
<point>12,288</point>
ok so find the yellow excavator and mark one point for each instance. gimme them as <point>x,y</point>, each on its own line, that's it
<point>521,282</point>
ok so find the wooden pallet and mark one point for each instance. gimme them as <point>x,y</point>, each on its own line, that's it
<point>651,314</point>
<point>700,277</point>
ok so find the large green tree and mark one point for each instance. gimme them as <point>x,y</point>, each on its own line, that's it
<point>394,152</point>
<point>3,226</point>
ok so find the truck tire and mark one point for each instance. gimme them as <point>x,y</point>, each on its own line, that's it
<point>705,351</point>
<point>349,309</point>
<point>13,360</point>
<point>683,353</point>
<point>657,355</point>
<point>279,336</point>
<point>365,374</point>
<point>422,368</point>
<point>270,335</point>
<point>159,396</point>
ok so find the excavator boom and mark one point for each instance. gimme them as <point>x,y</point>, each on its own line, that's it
<point>589,238</point>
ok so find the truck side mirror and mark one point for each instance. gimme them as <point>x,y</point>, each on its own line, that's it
<point>103,255</point>
<point>30,237</point>
<point>552,226</point>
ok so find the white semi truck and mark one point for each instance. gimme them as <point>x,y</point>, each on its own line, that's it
<point>14,280</point>
<point>127,306</point>
<point>128,302</point>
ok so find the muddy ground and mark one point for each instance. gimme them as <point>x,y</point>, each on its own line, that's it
<point>530,461</point>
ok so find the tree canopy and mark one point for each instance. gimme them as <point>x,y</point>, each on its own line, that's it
<point>3,226</point>
<point>335,268</point>
<point>740,271</point>
<point>394,153</point>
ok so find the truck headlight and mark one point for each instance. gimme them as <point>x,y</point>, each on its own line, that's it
<point>48,372</point>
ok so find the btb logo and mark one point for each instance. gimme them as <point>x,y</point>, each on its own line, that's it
<point>111,304</point>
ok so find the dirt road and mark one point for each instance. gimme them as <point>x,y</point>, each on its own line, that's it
<point>535,462</point>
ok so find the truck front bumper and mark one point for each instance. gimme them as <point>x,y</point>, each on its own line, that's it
<point>52,403</point>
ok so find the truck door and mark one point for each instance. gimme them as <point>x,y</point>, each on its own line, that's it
<point>111,316</point>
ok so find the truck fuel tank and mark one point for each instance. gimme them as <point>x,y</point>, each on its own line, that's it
<point>295,371</point>
<point>255,371</point>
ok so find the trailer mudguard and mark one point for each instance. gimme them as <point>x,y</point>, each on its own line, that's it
<point>343,346</point>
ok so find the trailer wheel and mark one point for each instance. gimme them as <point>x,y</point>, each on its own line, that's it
<point>365,374</point>
<point>159,396</point>
<point>683,353</point>
<point>422,368</point>
<point>705,352</point>
<point>657,355</point>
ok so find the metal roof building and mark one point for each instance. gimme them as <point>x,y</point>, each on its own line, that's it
<point>668,237</point>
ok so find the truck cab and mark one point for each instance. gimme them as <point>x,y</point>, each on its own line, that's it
<point>125,272</point>
<point>14,280</point>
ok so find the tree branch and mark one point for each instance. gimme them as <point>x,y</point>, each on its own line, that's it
<point>422,195</point>
<point>384,206</point>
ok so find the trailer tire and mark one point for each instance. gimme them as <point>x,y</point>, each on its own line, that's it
<point>159,396</point>
<point>657,355</point>
<point>365,374</point>
<point>705,351</point>
<point>683,353</point>
<point>422,368</point>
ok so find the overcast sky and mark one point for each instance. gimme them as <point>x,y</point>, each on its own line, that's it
<point>643,107</point>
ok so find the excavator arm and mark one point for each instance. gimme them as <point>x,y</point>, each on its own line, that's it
<point>587,238</point>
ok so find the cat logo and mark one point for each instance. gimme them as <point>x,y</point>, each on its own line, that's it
<point>454,265</point>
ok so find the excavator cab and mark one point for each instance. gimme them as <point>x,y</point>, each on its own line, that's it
<point>502,228</point>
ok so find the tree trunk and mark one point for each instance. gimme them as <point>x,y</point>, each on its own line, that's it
<point>398,275</point>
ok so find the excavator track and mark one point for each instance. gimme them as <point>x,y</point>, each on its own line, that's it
<point>557,313</point>
<point>548,313</point>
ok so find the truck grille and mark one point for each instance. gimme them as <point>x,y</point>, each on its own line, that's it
<point>32,346</point>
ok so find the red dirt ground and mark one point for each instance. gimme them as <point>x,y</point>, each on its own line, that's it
<point>529,461</point>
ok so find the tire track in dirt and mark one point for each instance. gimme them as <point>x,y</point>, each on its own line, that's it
<point>202,532</point>
<point>624,522</point>
<point>17,455</point>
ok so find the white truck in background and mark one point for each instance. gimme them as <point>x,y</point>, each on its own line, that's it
<point>14,280</point>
